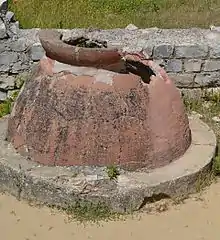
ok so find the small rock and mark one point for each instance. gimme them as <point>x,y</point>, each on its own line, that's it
<point>3,96</point>
<point>7,82</point>
<point>3,31</point>
<point>20,45</point>
<point>3,6</point>
<point>37,52</point>
<point>131,27</point>
<point>216,119</point>
<point>214,28</point>
<point>14,28</point>
<point>10,16</point>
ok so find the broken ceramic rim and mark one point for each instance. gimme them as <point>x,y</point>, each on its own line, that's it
<point>77,52</point>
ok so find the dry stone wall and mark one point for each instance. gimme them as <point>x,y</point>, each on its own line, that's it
<point>190,56</point>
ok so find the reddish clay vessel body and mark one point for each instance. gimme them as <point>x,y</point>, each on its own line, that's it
<point>98,117</point>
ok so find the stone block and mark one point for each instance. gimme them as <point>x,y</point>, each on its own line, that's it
<point>182,80</point>
<point>209,79</point>
<point>18,67</point>
<point>163,51</point>
<point>6,59</point>
<point>20,45</point>
<point>3,31</point>
<point>36,52</point>
<point>174,65</point>
<point>193,65</point>
<point>10,16</point>
<point>7,82</point>
<point>215,51</point>
<point>191,51</point>
<point>211,65</point>
<point>3,6</point>
<point>3,96</point>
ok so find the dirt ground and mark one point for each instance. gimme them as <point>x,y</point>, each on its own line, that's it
<point>197,218</point>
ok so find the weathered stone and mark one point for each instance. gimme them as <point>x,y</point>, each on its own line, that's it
<point>131,27</point>
<point>20,45</point>
<point>18,67</point>
<point>36,52</point>
<point>10,16</point>
<point>3,96</point>
<point>6,59</point>
<point>7,82</point>
<point>174,65</point>
<point>3,6</point>
<point>211,65</point>
<point>215,51</point>
<point>163,51</point>
<point>160,62</point>
<point>148,51</point>
<point>191,51</point>
<point>3,46</point>
<point>193,65</point>
<point>14,29</point>
<point>211,79</point>
<point>182,80</point>
<point>3,32</point>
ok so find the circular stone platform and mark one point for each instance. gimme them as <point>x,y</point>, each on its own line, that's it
<point>63,186</point>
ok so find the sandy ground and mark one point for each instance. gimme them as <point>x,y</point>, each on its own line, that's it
<point>195,219</point>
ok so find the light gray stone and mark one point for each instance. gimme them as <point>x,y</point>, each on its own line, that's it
<point>211,65</point>
<point>3,31</point>
<point>191,51</point>
<point>36,52</point>
<point>193,65</point>
<point>182,80</point>
<point>160,62</point>
<point>215,51</point>
<point>6,59</point>
<point>131,27</point>
<point>209,79</point>
<point>3,96</point>
<point>163,51</point>
<point>7,82</point>
<point>3,47</point>
<point>18,67</point>
<point>14,29</point>
<point>174,65</point>
<point>10,16</point>
<point>20,45</point>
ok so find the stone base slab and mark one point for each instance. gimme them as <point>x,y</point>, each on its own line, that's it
<point>63,186</point>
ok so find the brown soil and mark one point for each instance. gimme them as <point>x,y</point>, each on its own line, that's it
<point>197,218</point>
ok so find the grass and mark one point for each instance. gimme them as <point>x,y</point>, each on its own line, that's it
<point>116,13</point>
<point>88,211</point>
<point>112,172</point>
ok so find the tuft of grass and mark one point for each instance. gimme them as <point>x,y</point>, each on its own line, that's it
<point>116,13</point>
<point>112,172</point>
<point>88,211</point>
<point>216,165</point>
<point>6,106</point>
